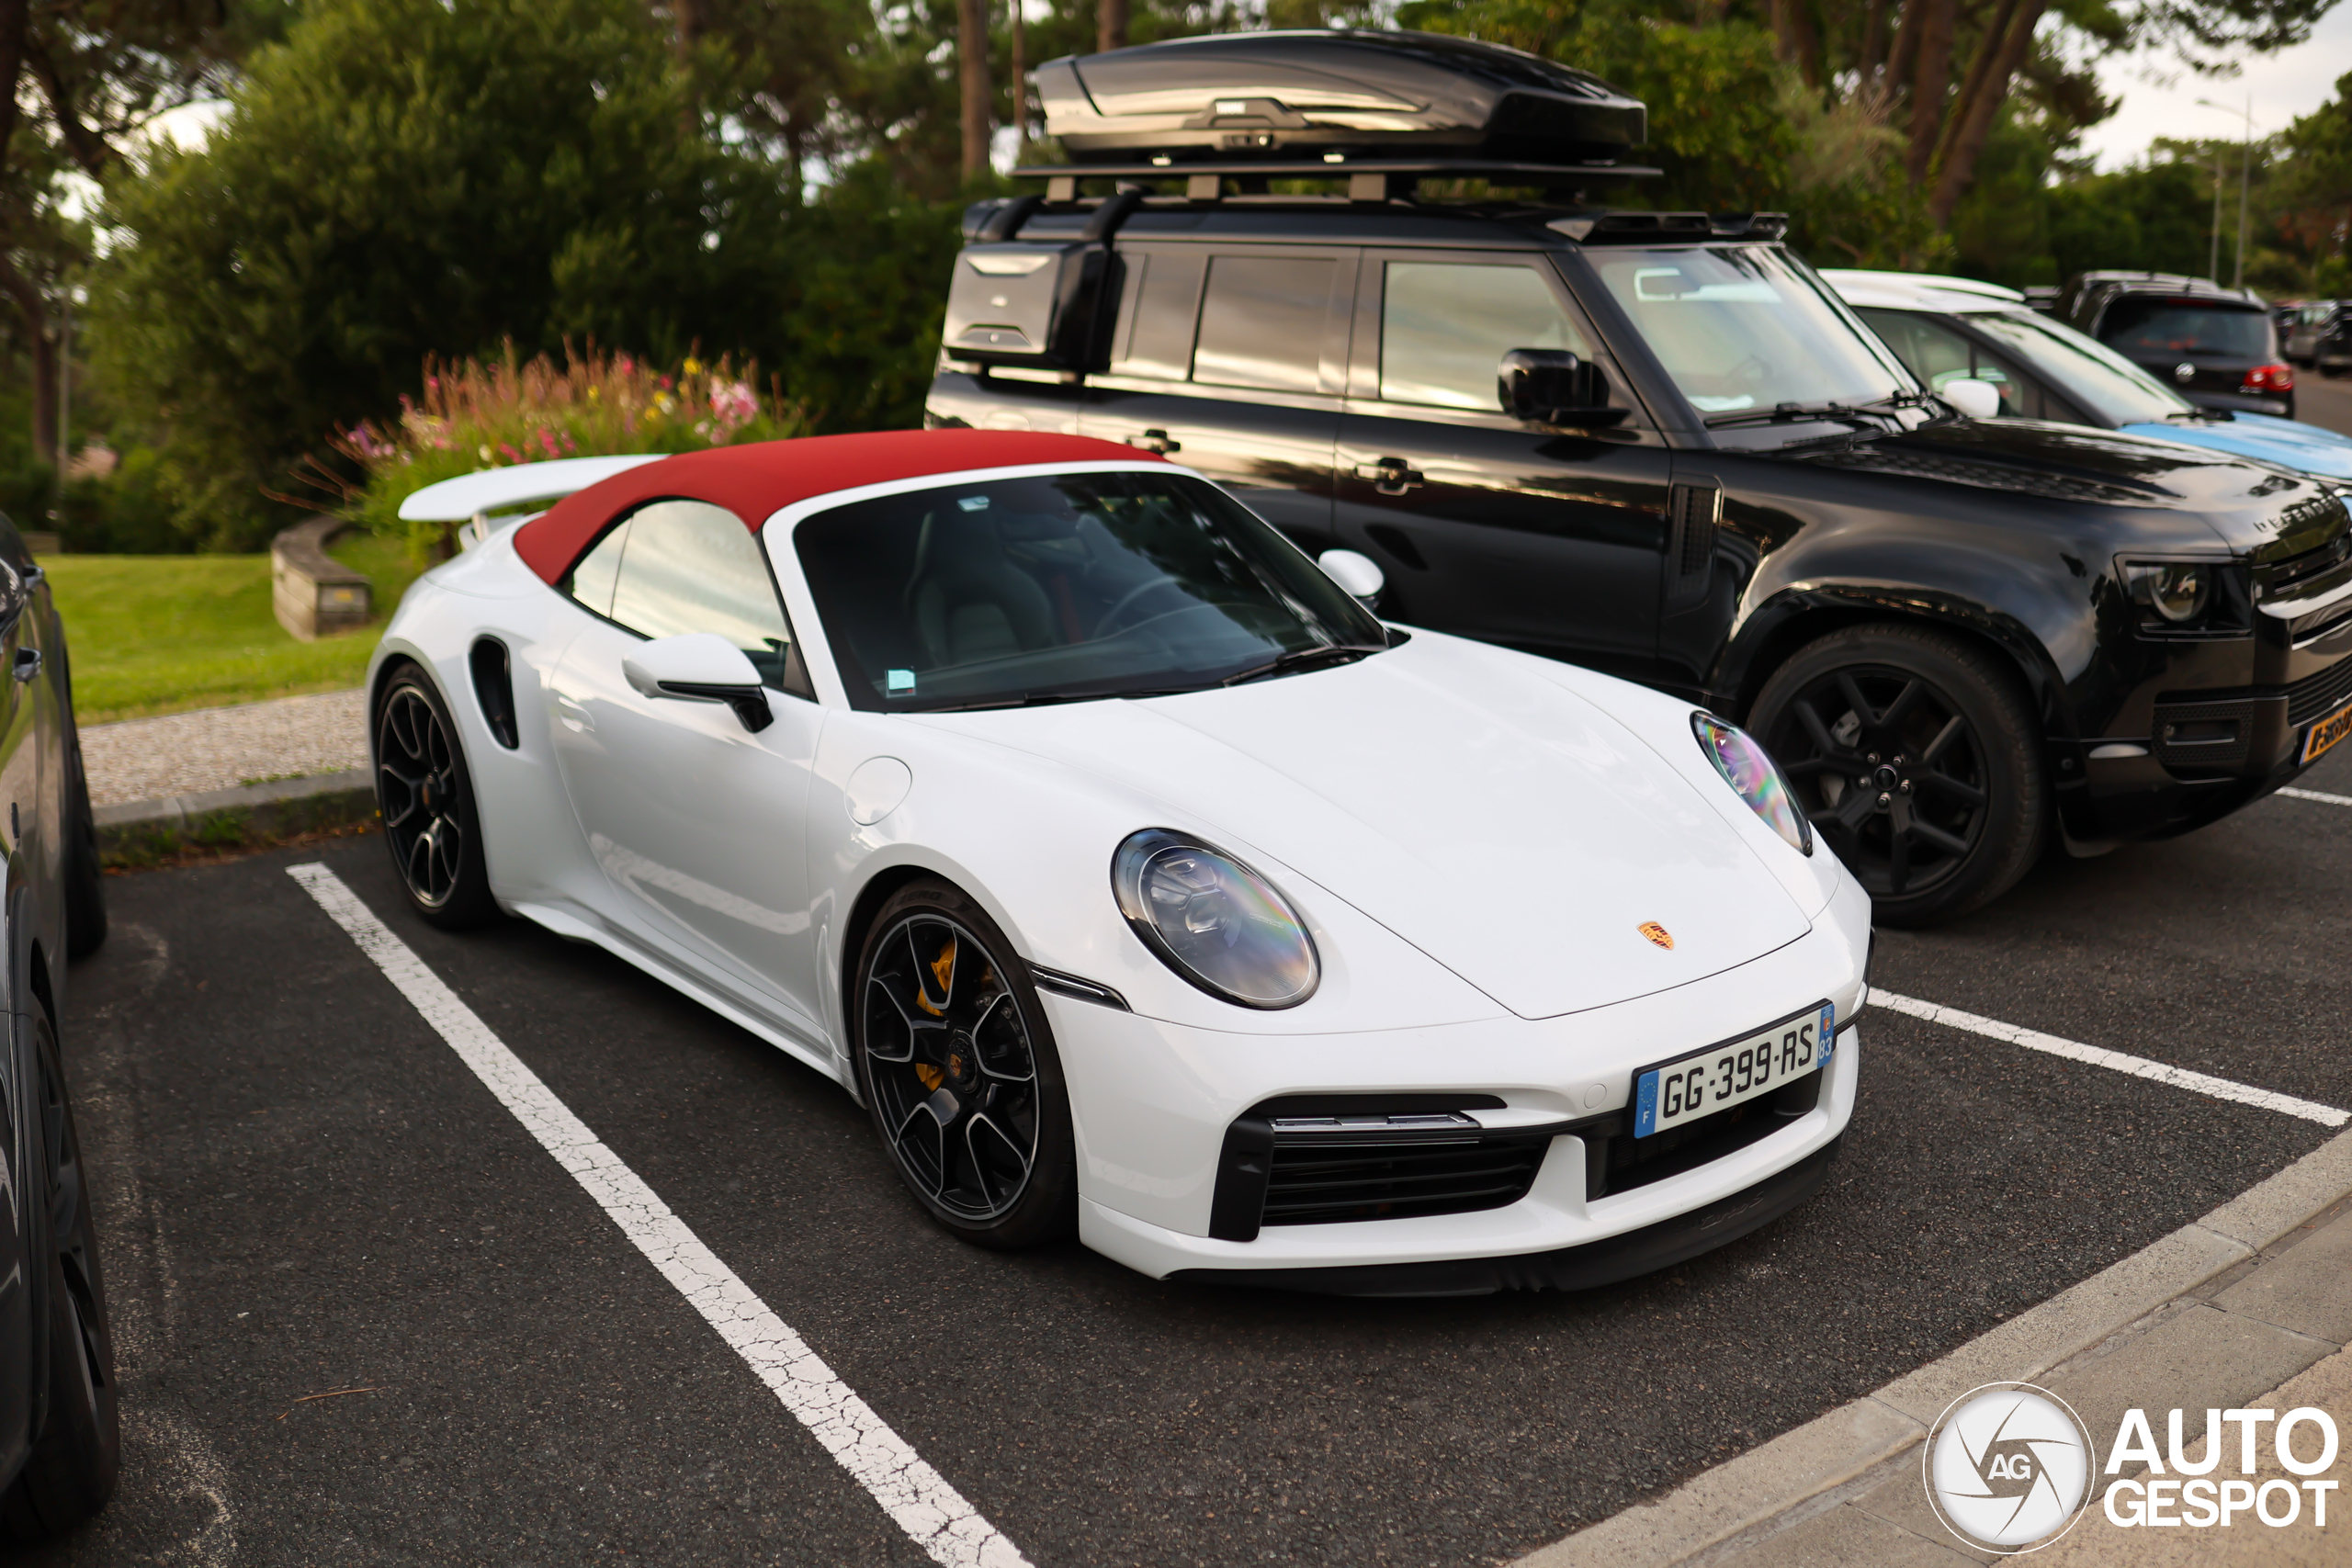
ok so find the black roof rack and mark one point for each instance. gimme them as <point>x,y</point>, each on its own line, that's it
<point>1369,179</point>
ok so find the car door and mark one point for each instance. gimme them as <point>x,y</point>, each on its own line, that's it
<point>1231,359</point>
<point>1544,538</point>
<point>19,796</point>
<point>697,823</point>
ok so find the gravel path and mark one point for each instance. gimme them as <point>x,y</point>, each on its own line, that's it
<point>183,753</point>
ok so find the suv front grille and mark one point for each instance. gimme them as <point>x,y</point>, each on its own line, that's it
<point>2313,696</point>
<point>2287,575</point>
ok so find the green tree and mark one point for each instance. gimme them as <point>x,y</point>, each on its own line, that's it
<point>408,178</point>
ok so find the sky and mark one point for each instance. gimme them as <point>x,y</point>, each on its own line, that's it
<point>2159,99</point>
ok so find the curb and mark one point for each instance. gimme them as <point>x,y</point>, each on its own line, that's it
<point>1747,1495</point>
<point>147,832</point>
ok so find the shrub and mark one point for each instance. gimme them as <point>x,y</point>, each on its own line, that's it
<point>474,415</point>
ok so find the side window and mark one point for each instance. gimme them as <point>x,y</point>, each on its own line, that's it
<point>1444,328</point>
<point>1936,355</point>
<point>1261,322</point>
<point>1167,285</point>
<point>686,566</point>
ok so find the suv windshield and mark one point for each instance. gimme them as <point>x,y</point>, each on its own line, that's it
<point>1739,327</point>
<point>2084,369</point>
<point>2152,327</point>
<point>1056,587</point>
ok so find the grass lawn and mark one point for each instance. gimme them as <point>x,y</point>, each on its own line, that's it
<point>160,634</point>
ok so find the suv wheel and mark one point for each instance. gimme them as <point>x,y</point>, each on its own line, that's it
<point>1918,757</point>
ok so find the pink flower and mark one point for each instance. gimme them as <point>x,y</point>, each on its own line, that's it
<point>511,454</point>
<point>665,383</point>
<point>547,441</point>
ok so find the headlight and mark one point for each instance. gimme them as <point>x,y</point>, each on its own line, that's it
<point>1750,771</point>
<point>1214,920</point>
<point>2177,592</point>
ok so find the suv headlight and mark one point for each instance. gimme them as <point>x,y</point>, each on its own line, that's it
<point>1757,779</point>
<point>1214,920</point>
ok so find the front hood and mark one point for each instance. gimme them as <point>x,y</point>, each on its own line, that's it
<point>2288,443</point>
<point>1502,824</point>
<point>2256,508</point>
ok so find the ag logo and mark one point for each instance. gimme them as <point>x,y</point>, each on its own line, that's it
<point>2008,1467</point>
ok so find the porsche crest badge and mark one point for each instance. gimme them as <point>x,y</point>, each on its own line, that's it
<point>1657,933</point>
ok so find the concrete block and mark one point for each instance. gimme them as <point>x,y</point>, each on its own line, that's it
<point>2307,1288</point>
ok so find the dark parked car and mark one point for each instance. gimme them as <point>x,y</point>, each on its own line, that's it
<point>2216,346</point>
<point>2321,336</point>
<point>1657,444</point>
<point>58,1447</point>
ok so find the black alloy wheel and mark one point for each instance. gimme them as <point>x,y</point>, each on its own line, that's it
<point>77,1456</point>
<point>426,799</point>
<point>958,1068</point>
<point>1916,757</point>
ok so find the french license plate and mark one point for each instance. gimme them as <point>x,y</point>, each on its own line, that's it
<point>2326,732</point>
<point>1739,1069</point>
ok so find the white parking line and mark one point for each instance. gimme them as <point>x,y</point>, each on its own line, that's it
<point>915,1496</point>
<point>2320,795</point>
<point>2138,1066</point>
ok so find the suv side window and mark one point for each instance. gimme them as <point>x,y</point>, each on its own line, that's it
<point>674,567</point>
<point>1261,322</point>
<point>1166,288</point>
<point>1444,326</point>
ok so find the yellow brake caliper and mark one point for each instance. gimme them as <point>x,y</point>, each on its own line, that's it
<point>943,969</point>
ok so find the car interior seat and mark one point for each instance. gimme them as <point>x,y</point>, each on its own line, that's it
<point>967,600</point>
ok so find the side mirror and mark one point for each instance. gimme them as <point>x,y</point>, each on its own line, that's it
<point>1552,385</point>
<point>701,667</point>
<point>1356,572</point>
<point>1977,400</point>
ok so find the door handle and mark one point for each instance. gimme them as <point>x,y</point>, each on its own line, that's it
<point>1156,442</point>
<point>1391,476</point>
<point>573,716</point>
<point>27,663</point>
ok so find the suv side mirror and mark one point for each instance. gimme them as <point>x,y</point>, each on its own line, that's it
<point>1552,385</point>
<point>701,667</point>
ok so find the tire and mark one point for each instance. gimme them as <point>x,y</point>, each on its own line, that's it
<point>85,890</point>
<point>1918,758</point>
<point>977,1036</point>
<point>426,798</point>
<point>77,1457</point>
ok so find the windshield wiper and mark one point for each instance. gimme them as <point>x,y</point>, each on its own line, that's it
<point>1800,413</point>
<point>1301,659</point>
<point>1046,699</point>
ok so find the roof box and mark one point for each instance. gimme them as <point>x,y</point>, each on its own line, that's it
<point>1276,95</point>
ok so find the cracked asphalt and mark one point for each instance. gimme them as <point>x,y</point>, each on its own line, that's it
<point>364,1317</point>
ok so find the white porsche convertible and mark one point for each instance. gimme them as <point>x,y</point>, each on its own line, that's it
<point>1138,880</point>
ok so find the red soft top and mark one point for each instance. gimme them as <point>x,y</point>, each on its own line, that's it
<point>756,481</point>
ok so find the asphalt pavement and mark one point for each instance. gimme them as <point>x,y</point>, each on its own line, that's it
<point>364,1317</point>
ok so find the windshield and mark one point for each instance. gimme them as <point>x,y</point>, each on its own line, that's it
<point>2113,389</point>
<point>1741,327</point>
<point>2149,329</point>
<point>1059,586</point>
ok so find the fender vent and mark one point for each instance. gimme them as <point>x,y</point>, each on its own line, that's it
<point>1693,513</point>
<point>494,689</point>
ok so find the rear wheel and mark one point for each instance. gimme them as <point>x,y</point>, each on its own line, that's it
<point>427,801</point>
<point>1918,757</point>
<point>76,1459</point>
<point>957,1066</point>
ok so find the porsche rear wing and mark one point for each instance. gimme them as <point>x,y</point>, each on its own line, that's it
<point>494,499</point>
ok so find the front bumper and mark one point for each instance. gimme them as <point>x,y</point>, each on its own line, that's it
<point>1152,1105</point>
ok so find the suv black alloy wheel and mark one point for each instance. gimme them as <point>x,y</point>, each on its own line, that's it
<point>1916,757</point>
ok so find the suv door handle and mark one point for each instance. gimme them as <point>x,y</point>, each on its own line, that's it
<point>27,663</point>
<point>1391,476</point>
<point>1156,442</point>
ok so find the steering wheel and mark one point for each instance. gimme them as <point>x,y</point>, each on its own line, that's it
<point>1110,618</point>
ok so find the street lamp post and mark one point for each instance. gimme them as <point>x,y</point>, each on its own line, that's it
<point>2245,175</point>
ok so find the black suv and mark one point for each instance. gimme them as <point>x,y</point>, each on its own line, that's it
<point>1656,444</point>
<point>2217,347</point>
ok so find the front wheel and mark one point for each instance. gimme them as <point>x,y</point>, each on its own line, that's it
<point>1918,757</point>
<point>426,799</point>
<point>958,1067</point>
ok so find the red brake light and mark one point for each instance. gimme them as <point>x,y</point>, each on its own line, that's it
<point>2270,378</point>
